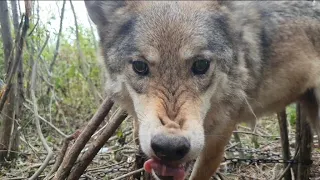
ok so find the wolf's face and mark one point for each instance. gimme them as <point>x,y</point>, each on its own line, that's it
<point>167,63</point>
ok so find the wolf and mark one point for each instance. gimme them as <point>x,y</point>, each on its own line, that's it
<point>190,71</point>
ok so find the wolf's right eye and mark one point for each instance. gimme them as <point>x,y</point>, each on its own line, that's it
<point>140,67</point>
<point>200,67</point>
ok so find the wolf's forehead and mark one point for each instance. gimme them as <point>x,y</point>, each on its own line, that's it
<point>169,29</point>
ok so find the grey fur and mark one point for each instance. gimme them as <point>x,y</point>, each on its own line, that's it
<point>264,55</point>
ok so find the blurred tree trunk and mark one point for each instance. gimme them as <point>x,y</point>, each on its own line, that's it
<point>15,15</point>
<point>18,89</point>
<point>7,116</point>
<point>5,31</point>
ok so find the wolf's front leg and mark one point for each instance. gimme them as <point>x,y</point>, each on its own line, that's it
<point>211,156</point>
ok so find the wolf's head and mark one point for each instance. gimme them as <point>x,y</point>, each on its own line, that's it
<point>169,64</point>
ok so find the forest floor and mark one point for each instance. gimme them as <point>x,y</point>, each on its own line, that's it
<point>117,157</point>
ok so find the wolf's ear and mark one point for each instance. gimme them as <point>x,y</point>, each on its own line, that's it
<point>101,12</point>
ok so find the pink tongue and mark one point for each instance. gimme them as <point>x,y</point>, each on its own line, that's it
<point>178,173</point>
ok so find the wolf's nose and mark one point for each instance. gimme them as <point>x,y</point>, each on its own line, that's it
<point>170,147</point>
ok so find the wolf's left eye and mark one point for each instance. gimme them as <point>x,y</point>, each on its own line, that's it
<point>140,67</point>
<point>200,66</point>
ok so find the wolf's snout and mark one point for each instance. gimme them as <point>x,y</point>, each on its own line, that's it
<point>170,147</point>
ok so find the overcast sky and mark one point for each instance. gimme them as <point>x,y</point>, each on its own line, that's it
<point>53,8</point>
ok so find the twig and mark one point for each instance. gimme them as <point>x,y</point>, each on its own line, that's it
<point>220,176</point>
<point>47,122</point>
<point>238,140</point>
<point>125,133</point>
<point>123,147</point>
<point>112,116</point>
<point>62,153</point>
<point>83,138</point>
<point>87,157</point>
<point>89,177</point>
<point>23,139</point>
<point>255,134</point>
<point>36,118</point>
<point>129,174</point>
<point>56,52</point>
<point>284,172</point>
<point>17,178</point>
<point>282,121</point>
<point>232,146</point>
<point>34,27</point>
<point>103,167</point>
<point>22,170</point>
<point>304,141</point>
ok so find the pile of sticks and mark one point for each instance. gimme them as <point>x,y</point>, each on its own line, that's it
<point>68,164</point>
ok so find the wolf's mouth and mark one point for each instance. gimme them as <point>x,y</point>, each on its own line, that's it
<point>165,170</point>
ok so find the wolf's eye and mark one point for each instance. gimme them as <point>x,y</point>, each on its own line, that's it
<point>140,67</point>
<point>200,67</point>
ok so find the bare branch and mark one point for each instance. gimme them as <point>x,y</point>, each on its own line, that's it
<point>62,153</point>
<point>255,134</point>
<point>282,120</point>
<point>47,122</point>
<point>36,117</point>
<point>56,52</point>
<point>94,148</point>
<point>284,172</point>
<point>83,138</point>
<point>129,174</point>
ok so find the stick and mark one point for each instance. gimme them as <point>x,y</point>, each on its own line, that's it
<point>94,148</point>
<point>304,142</point>
<point>36,119</point>
<point>284,172</point>
<point>62,153</point>
<point>56,52</point>
<point>282,119</point>
<point>83,138</point>
<point>129,174</point>
<point>47,122</point>
<point>255,134</point>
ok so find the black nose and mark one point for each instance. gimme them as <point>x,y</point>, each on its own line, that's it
<point>170,147</point>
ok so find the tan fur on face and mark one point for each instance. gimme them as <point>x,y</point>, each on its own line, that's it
<point>153,119</point>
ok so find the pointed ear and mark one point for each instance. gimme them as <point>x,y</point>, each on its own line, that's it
<point>101,12</point>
